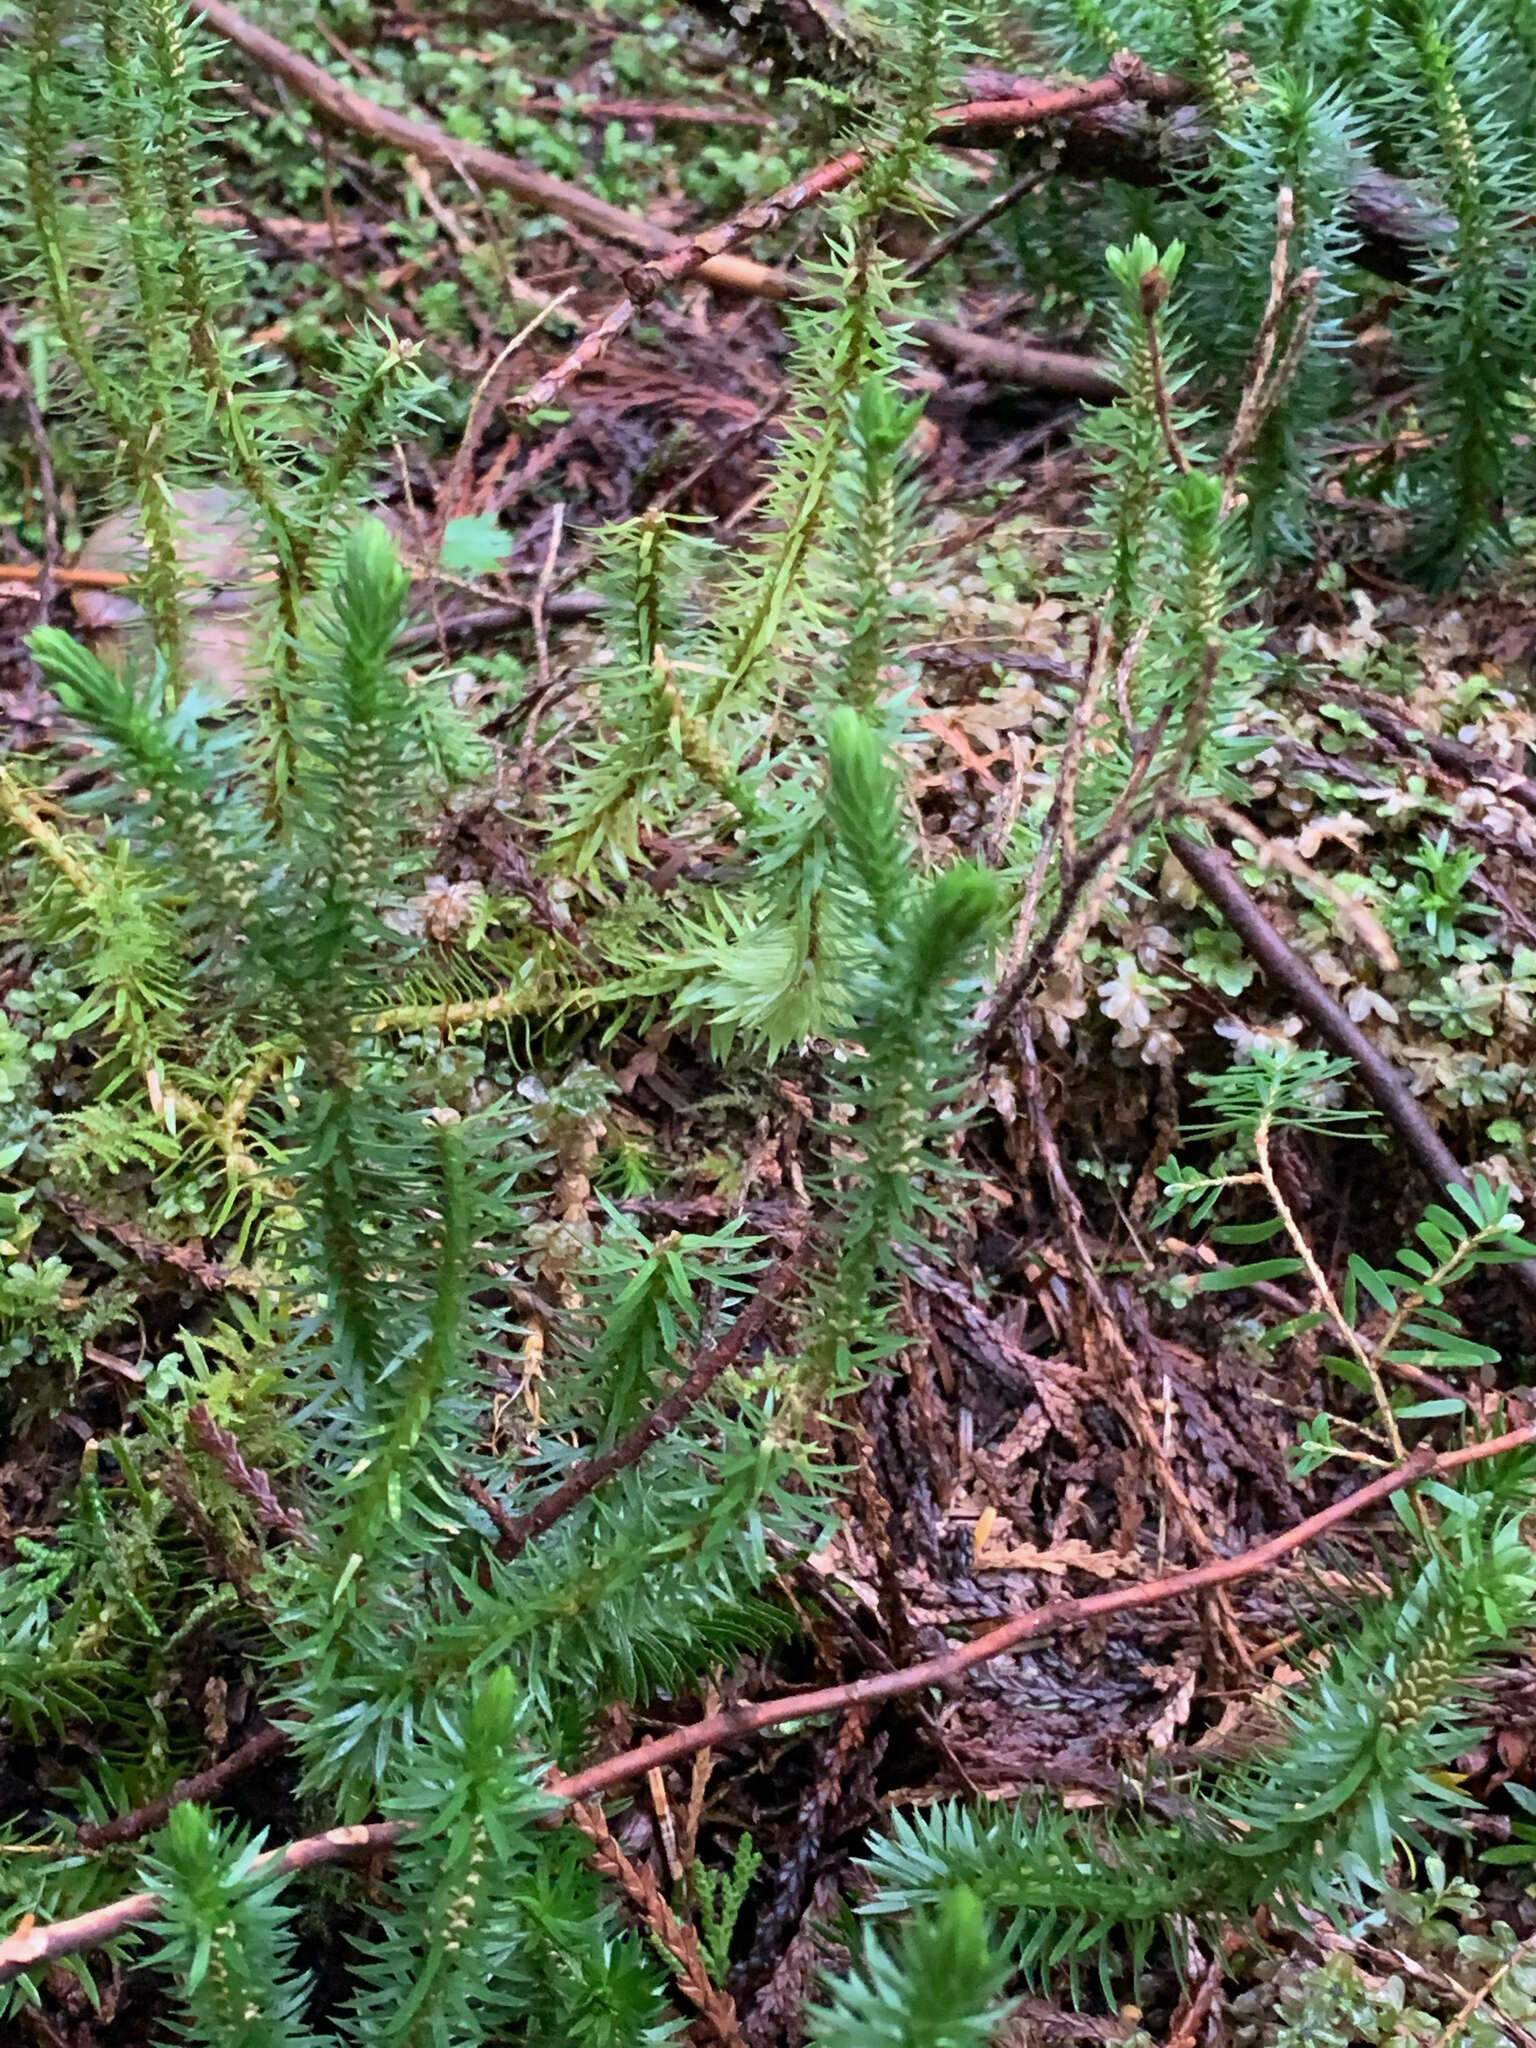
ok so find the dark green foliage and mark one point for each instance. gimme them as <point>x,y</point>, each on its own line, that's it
<point>237,911</point>
<point>1437,92</point>
<point>226,1936</point>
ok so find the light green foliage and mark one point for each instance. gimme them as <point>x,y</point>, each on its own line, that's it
<point>1475,1228</point>
<point>427,1670</point>
<point>1438,92</point>
<point>938,1989</point>
<point>226,1936</point>
<point>722,1894</point>
<point>1448,1952</point>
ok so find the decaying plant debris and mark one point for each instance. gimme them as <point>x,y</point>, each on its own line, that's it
<point>766,1026</point>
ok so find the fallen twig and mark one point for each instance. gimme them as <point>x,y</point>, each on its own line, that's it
<point>586,1477</point>
<point>645,280</point>
<point>1385,1083</point>
<point>30,1945</point>
<point>1035,102</point>
<point>206,1785</point>
<point>1017,362</point>
<point>67,579</point>
<point>732,1722</point>
<point>946,244</point>
<point>1446,752</point>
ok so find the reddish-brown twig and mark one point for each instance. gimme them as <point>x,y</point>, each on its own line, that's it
<point>645,280</point>
<point>733,1722</point>
<point>68,579</point>
<point>586,1477</point>
<point>31,1945</point>
<point>206,1785</point>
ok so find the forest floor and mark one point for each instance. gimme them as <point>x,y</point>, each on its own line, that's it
<point>1077,1396</point>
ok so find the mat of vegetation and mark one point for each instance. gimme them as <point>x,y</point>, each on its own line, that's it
<point>767,1013</point>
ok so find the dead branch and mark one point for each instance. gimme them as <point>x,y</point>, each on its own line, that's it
<point>1013,362</point>
<point>31,1945</point>
<point>586,1477</point>
<point>1135,140</point>
<point>205,1785</point>
<point>645,280</point>
<point>1385,1083</point>
<point>1445,752</point>
<point>733,1722</point>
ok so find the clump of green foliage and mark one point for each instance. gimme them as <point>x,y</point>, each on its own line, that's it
<point>1315,98</point>
<point>429,1670</point>
<point>235,911</point>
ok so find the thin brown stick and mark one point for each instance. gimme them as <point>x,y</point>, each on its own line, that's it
<point>67,579</point>
<point>761,217</point>
<point>586,1477</point>
<point>946,244</point>
<point>488,1504</point>
<point>31,1945</point>
<point>591,348</point>
<point>1249,420</point>
<point>1017,362</point>
<point>733,1722</point>
<point>1386,1085</point>
<point>488,394</point>
<point>1446,752</point>
<point>205,1785</point>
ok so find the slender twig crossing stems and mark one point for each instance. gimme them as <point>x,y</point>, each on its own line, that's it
<point>31,1945</point>
<point>733,1722</point>
<point>206,1785</point>
<point>585,1478</point>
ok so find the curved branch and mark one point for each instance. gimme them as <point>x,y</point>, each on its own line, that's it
<point>31,1945</point>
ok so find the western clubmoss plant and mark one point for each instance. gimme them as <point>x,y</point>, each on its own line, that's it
<point>225,1936</point>
<point>1474,311</point>
<point>1324,86</point>
<point>938,1988</point>
<point>891,1094</point>
<point>142,296</point>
